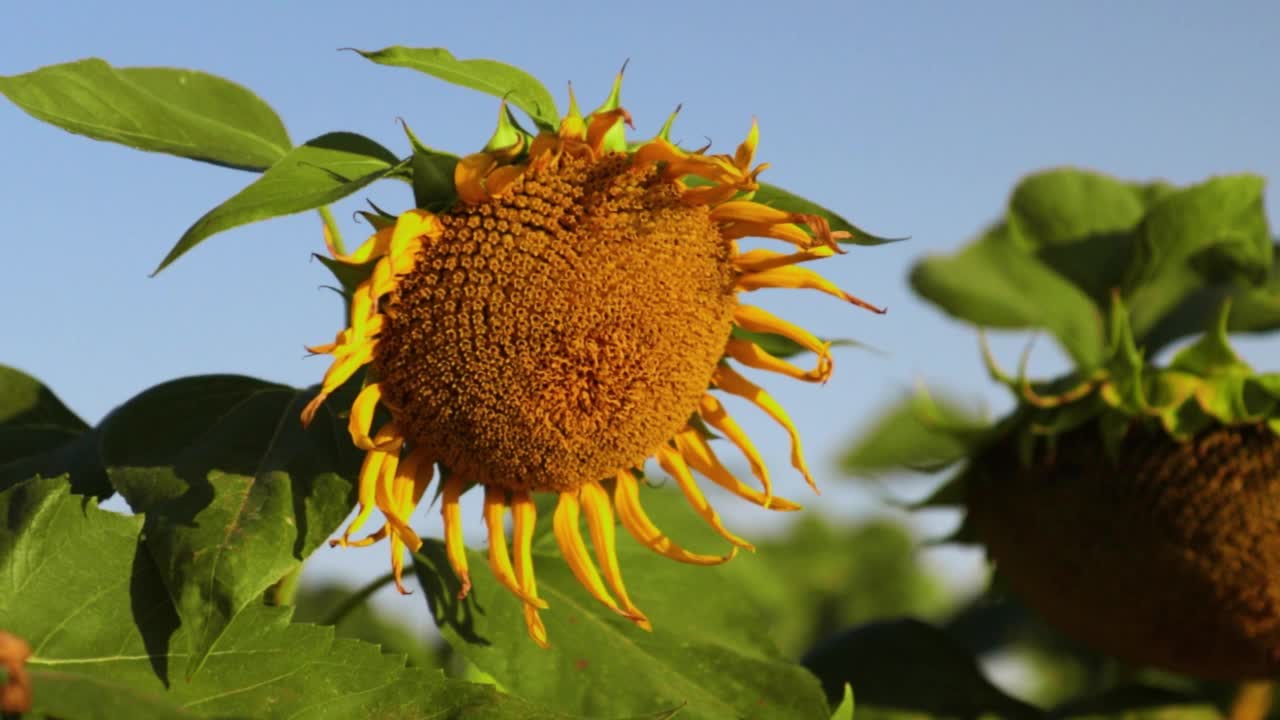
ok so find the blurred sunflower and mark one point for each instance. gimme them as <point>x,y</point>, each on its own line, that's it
<point>558,324</point>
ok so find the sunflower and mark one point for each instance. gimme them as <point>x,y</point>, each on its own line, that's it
<point>1134,504</point>
<point>558,323</point>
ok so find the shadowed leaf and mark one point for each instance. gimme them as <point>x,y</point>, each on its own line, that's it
<point>236,493</point>
<point>39,435</point>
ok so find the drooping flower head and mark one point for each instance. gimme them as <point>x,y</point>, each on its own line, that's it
<point>561,321</point>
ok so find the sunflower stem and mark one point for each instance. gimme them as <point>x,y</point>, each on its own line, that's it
<point>357,598</point>
<point>335,235</point>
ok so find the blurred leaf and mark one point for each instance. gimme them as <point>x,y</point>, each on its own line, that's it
<point>316,173</point>
<point>1253,309</point>
<point>236,493</point>
<point>844,711</point>
<point>180,112</point>
<point>365,622</point>
<point>1080,224</point>
<point>709,647</point>
<point>39,435</point>
<point>905,664</point>
<point>918,433</point>
<point>774,196</point>
<point>93,606</point>
<point>1207,234</point>
<point>816,579</point>
<point>1138,701</point>
<point>995,282</point>
<point>488,76</point>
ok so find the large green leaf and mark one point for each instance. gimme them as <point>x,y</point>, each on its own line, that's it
<point>316,173</point>
<point>1207,234</point>
<point>180,112</point>
<point>774,196</point>
<point>1253,309</point>
<point>1080,224</point>
<point>905,664</point>
<point>81,590</point>
<point>709,650</point>
<point>236,493</point>
<point>996,282</point>
<point>488,76</point>
<point>39,435</point>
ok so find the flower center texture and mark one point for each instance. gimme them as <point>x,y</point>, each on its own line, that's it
<point>562,331</point>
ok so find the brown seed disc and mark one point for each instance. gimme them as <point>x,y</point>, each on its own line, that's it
<point>1169,557</point>
<point>561,332</point>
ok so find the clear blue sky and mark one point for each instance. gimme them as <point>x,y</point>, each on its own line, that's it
<point>911,118</point>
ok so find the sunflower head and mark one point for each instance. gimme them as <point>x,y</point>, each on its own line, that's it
<point>1135,505</point>
<point>558,315</point>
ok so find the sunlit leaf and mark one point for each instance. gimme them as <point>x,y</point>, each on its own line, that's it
<point>996,283</point>
<point>186,113</point>
<point>314,174</point>
<point>488,76</point>
<point>80,588</point>
<point>236,493</point>
<point>1206,234</point>
<point>39,435</point>
<point>709,648</point>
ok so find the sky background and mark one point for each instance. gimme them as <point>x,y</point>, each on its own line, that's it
<point>909,118</point>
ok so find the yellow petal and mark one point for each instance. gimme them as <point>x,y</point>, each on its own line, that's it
<point>569,536</point>
<point>454,548</point>
<point>366,492</point>
<point>727,379</point>
<point>710,410</point>
<point>754,356</point>
<point>698,453</point>
<point>753,319</point>
<point>524,515</point>
<point>671,461</point>
<point>599,512</point>
<point>797,278</point>
<point>747,150</point>
<point>339,372</point>
<point>763,259</point>
<point>495,510</point>
<point>361,420</point>
<point>626,497</point>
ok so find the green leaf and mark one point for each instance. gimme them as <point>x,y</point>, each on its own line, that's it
<point>1207,234</point>
<point>433,185</point>
<point>774,196</point>
<point>366,622</point>
<point>488,76</point>
<point>919,433</point>
<point>316,173</point>
<point>180,112</point>
<point>92,604</point>
<point>905,664</point>
<point>844,711</point>
<point>1080,224</point>
<point>1253,309</point>
<point>995,282</point>
<point>236,493</point>
<point>709,647</point>
<point>818,579</point>
<point>39,435</point>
